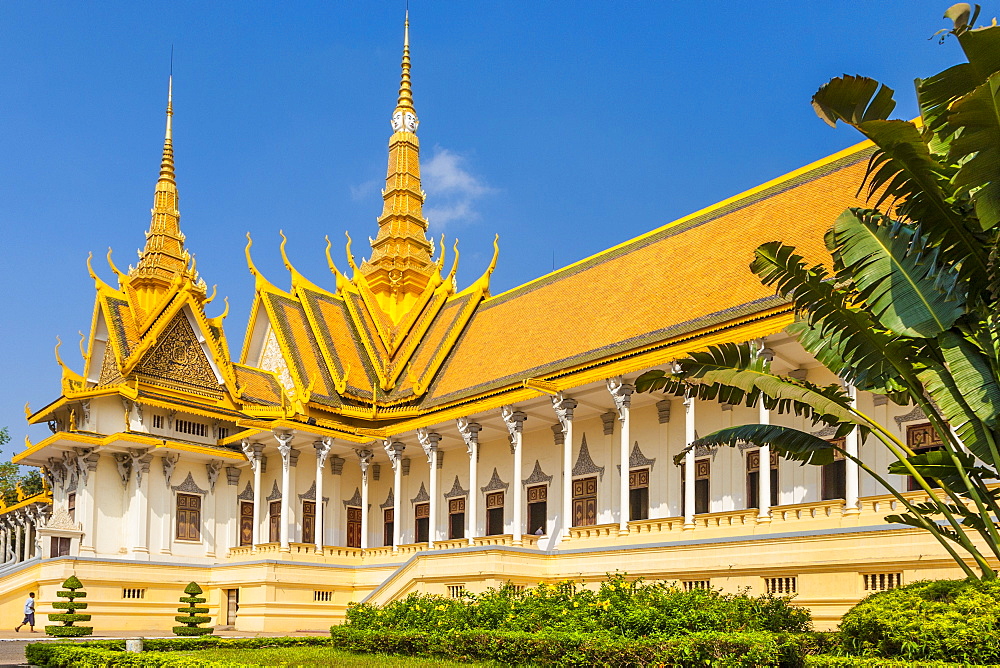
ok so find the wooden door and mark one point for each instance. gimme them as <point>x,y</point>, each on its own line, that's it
<point>275,522</point>
<point>353,527</point>
<point>308,521</point>
<point>246,522</point>
<point>388,522</point>
<point>584,502</point>
<point>232,605</point>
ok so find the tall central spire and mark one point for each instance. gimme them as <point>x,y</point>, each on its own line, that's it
<point>400,266</point>
<point>163,259</point>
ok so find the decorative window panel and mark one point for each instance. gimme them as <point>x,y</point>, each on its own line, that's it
<point>494,500</point>
<point>538,493</point>
<point>585,502</point>
<point>190,427</point>
<point>322,596</point>
<point>157,422</point>
<point>921,438</point>
<point>691,585</point>
<point>882,581</point>
<point>638,478</point>
<point>456,591</point>
<point>188,517</point>
<point>134,592</point>
<point>781,586</point>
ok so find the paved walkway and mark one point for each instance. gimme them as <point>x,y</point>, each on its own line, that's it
<point>12,644</point>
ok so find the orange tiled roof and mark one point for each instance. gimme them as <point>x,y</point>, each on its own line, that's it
<point>677,279</point>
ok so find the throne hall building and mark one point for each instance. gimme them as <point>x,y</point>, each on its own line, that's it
<point>386,430</point>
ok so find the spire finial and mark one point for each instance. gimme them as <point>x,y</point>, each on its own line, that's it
<point>405,101</point>
<point>167,163</point>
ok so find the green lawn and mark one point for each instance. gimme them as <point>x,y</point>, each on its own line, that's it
<point>292,657</point>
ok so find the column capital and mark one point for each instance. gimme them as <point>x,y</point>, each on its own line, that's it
<point>322,446</point>
<point>252,451</point>
<point>470,433</point>
<point>608,422</point>
<point>284,439</point>
<point>663,411</point>
<point>364,459</point>
<point>621,392</point>
<point>513,418</point>
<point>428,440</point>
<point>558,435</point>
<point>395,451</point>
<point>563,406</point>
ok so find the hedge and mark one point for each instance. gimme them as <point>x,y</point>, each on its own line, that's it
<point>825,661</point>
<point>583,649</point>
<point>511,648</point>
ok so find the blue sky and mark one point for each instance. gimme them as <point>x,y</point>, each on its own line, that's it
<point>566,127</point>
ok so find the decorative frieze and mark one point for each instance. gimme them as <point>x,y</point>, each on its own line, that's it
<point>354,501</point>
<point>189,486</point>
<point>310,494</point>
<point>912,416</point>
<point>584,464</point>
<point>456,490</point>
<point>495,484</point>
<point>637,460</point>
<point>537,476</point>
<point>247,493</point>
<point>422,495</point>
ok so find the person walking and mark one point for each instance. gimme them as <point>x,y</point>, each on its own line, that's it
<point>29,613</point>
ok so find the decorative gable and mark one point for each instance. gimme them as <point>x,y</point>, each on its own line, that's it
<point>179,358</point>
<point>584,464</point>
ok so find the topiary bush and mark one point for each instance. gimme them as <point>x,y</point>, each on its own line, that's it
<point>949,620</point>
<point>70,617</point>
<point>619,607</point>
<point>193,615</point>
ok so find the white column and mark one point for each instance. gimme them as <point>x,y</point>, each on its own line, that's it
<point>322,450</point>
<point>470,434</point>
<point>285,450</point>
<point>514,419</point>
<point>252,451</point>
<point>17,535</point>
<point>689,463</point>
<point>3,543</point>
<point>621,392</point>
<point>764,472</point>
<point>365,460</point>
<point>86,508</point>
<point>852,477</point>
<point>429,442</point>
<point>563,407</point>
<point>395,451</point>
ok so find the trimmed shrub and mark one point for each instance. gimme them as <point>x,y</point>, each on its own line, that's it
<point>584,649</point>
<point>70,617</point>
<point>620,607</point>
<point>113,651</point>
<point>877,662</point>
<point>947,620</point>
<point>194,615</point>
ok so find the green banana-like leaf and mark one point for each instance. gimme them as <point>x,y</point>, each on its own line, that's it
<point>786,441</point>
<point>951,403</point>
<point>833,330</point>
<point>738,366</point>
<point>975,119</point>
<point>972,373</point>
<point>939,465</point>
<point>904,171</point>
<point>906,290</point>
<point>854,100</point>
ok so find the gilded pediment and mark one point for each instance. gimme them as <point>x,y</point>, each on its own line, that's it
<point>178,357</point>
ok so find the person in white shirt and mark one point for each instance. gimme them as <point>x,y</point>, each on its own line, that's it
<point>29,613</point>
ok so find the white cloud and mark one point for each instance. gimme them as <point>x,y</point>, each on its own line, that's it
<point>364,190</point>
<point>451,189</point>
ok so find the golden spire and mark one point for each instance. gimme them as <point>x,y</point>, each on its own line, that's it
<point>163,259</point>
<point>401,266</point>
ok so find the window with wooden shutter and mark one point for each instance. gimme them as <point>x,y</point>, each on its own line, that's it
<point>188,517</point>
<point>353,527</point>
<point>537,509</point>
<point>753,479</point>
<point>702,486</point>
<point>921,438</point>
<point>494,513</point>
<point>422,521</point>
<point>308,521</point>
<point>456,518</point>
<point>585,502</point>
<point>388,524</point>
<point>638,494</point>
<point>835,474</point>
<point>246,522</point>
